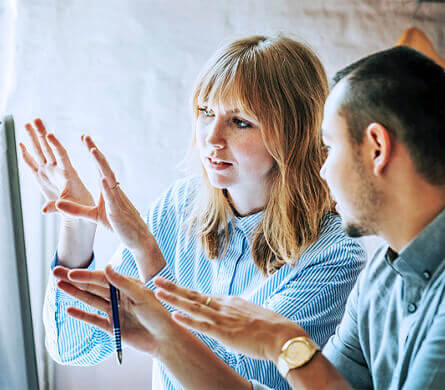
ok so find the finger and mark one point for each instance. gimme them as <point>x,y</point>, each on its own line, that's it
<point>46,148</point>
<point>108,193</point>
<point>93,319</point>
<point>62,155</point>
<point>35,143</point>
<point>29,160</point>
<point>87,276</point>
<point>100,159</point>
<point>78,210</point>
<point>95,289</point>
<point>185,293</point>
<point>49,207</point>
<point>201,326</point>
<point>84,296</point>
<point>132,287</point>
<point>196,309</point>
<point>88,141</point>
<point>61,272</point>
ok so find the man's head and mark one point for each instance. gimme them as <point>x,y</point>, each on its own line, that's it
<point>384,121</point>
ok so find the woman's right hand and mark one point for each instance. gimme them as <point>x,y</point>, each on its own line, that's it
<point>53,170</point>
<point>145,323</point>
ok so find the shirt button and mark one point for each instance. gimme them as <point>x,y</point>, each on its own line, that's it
<point>412,307</point>
<point>426,275</point>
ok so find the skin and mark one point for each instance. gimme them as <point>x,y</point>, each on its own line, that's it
<point>114,210</point>
<point>147,326</point>
<point>365,192</point>
<point>250,329</point>
<point>229,134</point>
<point>58,180</point>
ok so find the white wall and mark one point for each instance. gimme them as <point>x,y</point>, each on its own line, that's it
<point>122,71</point>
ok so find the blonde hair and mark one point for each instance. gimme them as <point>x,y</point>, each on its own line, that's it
<point>282,84</point>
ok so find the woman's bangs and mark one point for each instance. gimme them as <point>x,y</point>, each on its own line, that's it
<point>228,87</point>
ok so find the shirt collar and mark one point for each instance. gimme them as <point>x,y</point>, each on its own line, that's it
<point>422,257</point>
<point>248,224</point>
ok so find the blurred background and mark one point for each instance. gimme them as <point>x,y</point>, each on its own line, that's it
<point>122,72</point>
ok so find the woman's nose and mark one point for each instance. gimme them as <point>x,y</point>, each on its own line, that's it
<point>215,136</point>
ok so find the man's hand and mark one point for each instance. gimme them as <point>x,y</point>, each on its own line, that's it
<point>235,322</point>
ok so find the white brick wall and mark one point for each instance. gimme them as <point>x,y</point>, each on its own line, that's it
<point>122,71</point>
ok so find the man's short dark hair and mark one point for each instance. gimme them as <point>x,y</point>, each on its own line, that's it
<point>404,91</point>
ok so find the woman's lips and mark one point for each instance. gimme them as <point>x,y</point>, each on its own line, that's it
<point>218,166</point>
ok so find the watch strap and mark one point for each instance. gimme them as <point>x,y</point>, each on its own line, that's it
<point>284,366</point>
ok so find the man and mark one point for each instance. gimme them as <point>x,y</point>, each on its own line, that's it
<point>384,127</point>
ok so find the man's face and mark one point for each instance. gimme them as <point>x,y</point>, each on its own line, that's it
<point>348,172</point>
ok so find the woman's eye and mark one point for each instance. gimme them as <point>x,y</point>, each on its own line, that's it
<point>206,112</point>
<point>241,124</point>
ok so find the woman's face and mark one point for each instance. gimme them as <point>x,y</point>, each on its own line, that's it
<point>231,148</point>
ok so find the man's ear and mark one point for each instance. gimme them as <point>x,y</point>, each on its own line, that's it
<point>379,146</point>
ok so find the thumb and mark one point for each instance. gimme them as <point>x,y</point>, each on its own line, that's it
<point>49,207</point>
<point>74,209</point>
<point>130,286</point>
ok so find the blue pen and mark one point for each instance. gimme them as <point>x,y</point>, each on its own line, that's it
<point>116,327</point>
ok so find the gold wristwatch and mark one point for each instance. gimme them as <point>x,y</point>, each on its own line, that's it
<point>295,353</point>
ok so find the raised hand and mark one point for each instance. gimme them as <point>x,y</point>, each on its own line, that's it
<point>116,212</point>
<point>235,322</point>
<point>145,323</point>
<point>52,168</point>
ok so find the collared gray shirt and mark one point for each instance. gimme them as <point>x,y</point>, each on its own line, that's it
<point>392,335</point>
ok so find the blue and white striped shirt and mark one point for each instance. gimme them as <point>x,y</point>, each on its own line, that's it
<point>313,293</point>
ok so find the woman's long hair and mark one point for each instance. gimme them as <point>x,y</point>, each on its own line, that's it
<point>282,84</point>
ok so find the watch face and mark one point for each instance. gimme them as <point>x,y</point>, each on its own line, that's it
<point>298,353</point>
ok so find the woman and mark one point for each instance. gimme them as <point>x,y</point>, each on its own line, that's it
<point>256,225</point>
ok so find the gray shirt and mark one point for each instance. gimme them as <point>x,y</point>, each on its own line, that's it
<point>392,335</point>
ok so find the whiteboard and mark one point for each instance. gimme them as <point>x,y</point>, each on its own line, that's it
<point>18,369</point>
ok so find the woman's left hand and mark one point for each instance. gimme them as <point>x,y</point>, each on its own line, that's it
<point>145,323</point>
<point>115,211</point>
<point>235,322</point>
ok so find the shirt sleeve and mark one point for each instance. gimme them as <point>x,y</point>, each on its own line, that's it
<point>428,369</point>
<point>68,340</point>
<point>343,349</point>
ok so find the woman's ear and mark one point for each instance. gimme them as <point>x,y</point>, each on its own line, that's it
<point>379,146</point>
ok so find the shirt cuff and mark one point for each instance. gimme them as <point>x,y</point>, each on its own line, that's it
<point>166,273</point>
<point>55,262</point>
<point>61,295</point>
<point>258,386</point>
